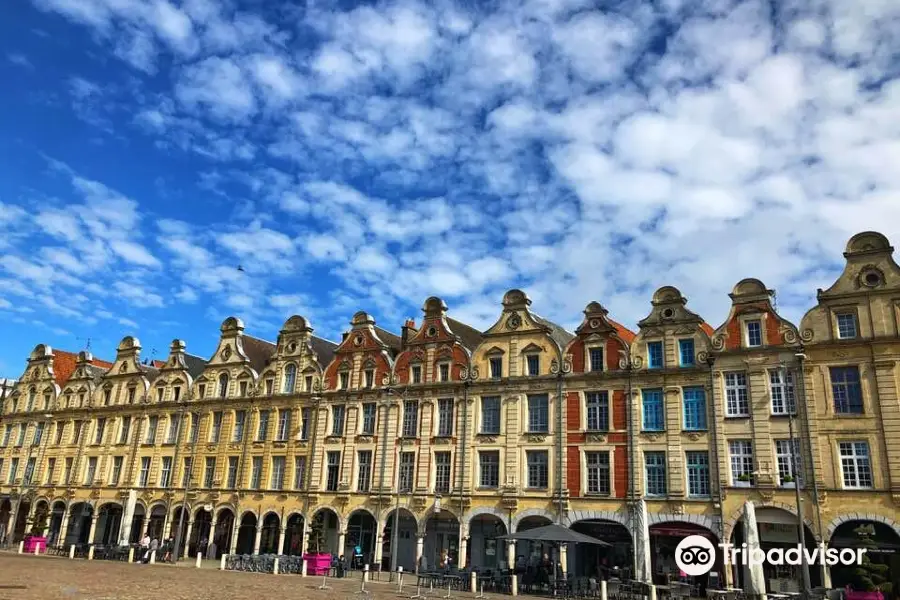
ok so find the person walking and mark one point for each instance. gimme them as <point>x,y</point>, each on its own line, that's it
<point>145,548</point>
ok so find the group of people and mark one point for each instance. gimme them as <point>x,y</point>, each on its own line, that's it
<point>150,545</point>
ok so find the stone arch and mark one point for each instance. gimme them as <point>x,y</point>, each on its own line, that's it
<point>737,514</point>
<point>701,520</point>
<point>108,503</point>
<point>387,513</point>
<point>531,512</point>
<point>217,510</point>
<point>620,517</point>
<point>342,522</point>
<point>154,504</point>
<point>485,510</point>
<point>422,522</point>
<point>362,509</point>
<point>245,512</point>
<point>838,521</point>
<point>270,511</point>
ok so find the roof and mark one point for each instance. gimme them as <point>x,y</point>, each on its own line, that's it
<point>194,364</point>
<point>64,363</point>
<point>323,348</point>
<point>391,339</point>
<point>624,333</point>
<point>707,328</point>
<point>557,332</point>
<point>258,351</point>
<point>470,336</point>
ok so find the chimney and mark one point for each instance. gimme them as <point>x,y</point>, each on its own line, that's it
<point>344,336</point>
<point>408,326</point>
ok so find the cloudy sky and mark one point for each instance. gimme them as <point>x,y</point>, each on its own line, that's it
<point>366,156</point>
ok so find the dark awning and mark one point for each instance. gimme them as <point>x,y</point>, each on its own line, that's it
<point>554,533</point>
<point>883,547</point>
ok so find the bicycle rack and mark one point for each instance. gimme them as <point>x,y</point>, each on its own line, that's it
<point>481,595</point>
<point>324,585</point>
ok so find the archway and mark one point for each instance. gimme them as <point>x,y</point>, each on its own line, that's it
<point>137,524</point>
<point>21,520</point>
<point>179,515</point>
<point>200,533</point>
<point>40,520</point>
<point>156,522</point>
<point>55,523</point>
<point>246,534</point>
<point>599,561</point>
<point>268,539</point>
<point>222,536</point>
<point>402,543</point>
<point>664,538</point>
<point>5,510</point>
<point>442,540</point>
<point>79,523</point>
<point>359,546</point>
<point>323,532</point>
<point>109,522</point>
<point>528,552</point>
<point>882,545</point>
<point>293,536</point>
<point>485,551</point>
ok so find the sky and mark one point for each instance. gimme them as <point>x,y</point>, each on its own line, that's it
<point>366,156</point>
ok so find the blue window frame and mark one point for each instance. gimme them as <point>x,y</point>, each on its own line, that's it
<point>654,355</point>
<point>655,463</point>
<point>847,390</point>
<point>754,334</point>
<point>654,417</point>
<point>694,408</point>
<point>698,474</point>
<point>686,352</point>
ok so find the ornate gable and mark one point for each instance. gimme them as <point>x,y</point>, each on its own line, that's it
<point>750,299</point>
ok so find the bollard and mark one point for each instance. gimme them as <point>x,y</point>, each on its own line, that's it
<point>199,558</point>
<point>473,582</point>
<point>72,551</point>
<point>130,555</point>
<point>37,550</point>
<point>365,573</point>
<point>364,578</point>
<point>91,553</point>
<point>514,586</point>
<point>399,580</point>
<point>21,547</point>
<point>303,568</point>
<point>604,594</point>
<point>222,563</point>
<point>274,565</point>
<point>152,557</point>
<point>652,592</point>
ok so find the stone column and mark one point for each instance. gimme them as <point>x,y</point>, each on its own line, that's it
<point>64,527</point>
<point>564,558</point>
<point>281,534</point>
<point>379,548</point>
<point>420,549</point>
<point>342,539</point>
<point>463,543</point>
<point>212,533</point>
<point>127,518</point>
<point>258,539</point>
<point>511,554</point>
<point>187,539</point>
<point>304,538</point>
<point>235,529</point>
<point>93,530</point>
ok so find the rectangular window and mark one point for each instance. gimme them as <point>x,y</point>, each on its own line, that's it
<point>442,472</point>
<point>262,432</point>
<point>91,471</point>
<point>595,356</point>
<point>417,374</point>
<point>194,428</point>
<point>364,475</point>
<point>240,418</point>
<point>597,411</point>
<point>255,472</point>
<point>284,425</point>
<point>694,408</point>
<point>152,427</point>
<point>270,387</point>
<point>232,472</point>
<point>655,463</point>
<point>754,334</point>
<point>344,380</point>
<point>187,471</point>
<point>654,413</point>
<point>308,381</point>
<point>538,413</point>
<point>489,469</point>
<point>7,435</point>
<point>337,419</point>
<point>368,418</point>
<point>654,355</point>
<point>159,394</point>
<point>597,472</point>
<point>855,465</point>
<point>13,470</point>
<point>107,395</point>
<point>165,474</point>
<point>299,472</point>
<point>781,387</point>
<point>116,470</point>
<point>144,478</point>
<point>216,430</point>
<point>67,474</point>
<point>686,352</point>
<point>846,326</point>
<point>407,471</point>
<point>445,417</point>
<point>444,372</point>
<point>38,433</point>
<point>304,424</point>
<point>60,432</point>
<point>201,390</point>
<point>51,467</point>
<point>533,362</point>
<point>124,430</point>
<point>176,392</point>
<point>101,429</point>
<point>333,472</point>
<point>736,400</point>
<point>741,452</point>
<point>538,469</point>
<point>131,395</point>
<point>277,479</point>
<point>698,474</point>
<point>845,386</point>
<point>174,421</point>
<point>496,367</point>
<point>209,472</point>
<point>787,455</point>
<point>370,378</point>
<point>410,418</point>
<point>29,469</point>
<point>22,429</point>
<point>80,427</point>
<point>490,415</point>
<point>242,386</point>
<point>1,466</point>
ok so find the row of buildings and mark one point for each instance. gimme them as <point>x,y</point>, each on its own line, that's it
<point>438,440</point>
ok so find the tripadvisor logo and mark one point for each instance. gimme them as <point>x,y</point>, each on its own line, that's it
<point>696,555</point>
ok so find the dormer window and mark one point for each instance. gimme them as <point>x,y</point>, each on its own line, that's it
<point>243,388</point>
<point>444,372</point>
<point>131,395</point>
<point>176,393</point>
<point>308,382</point>
<point>596,359</point>
<point>533,364</point>
<point>686,352</point>
<point>270,386</point>
<point>343,380</point>
<point>159,394</point>
<point>201,390</point>
<point>290,378</point>
<point>846,325</point>
<point>107,394</point>
<point>654,355</point>
<point>223,385</point>
<point>416,374</point>
<point>754,334</point>
<point>496,365</point>
<point>370,378</point>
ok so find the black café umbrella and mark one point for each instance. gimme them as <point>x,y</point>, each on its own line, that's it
<point>554,534</point>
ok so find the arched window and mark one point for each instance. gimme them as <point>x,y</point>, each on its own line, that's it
<point>223,385</point>
<point>31,394</point>
<point>290,378</point>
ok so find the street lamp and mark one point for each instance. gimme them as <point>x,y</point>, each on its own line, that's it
<point>27,483</point>
<point>560,368</point>
<point>177,547</point>
<point>628,364</point>
<point>395,537</point>
<point>796,469</point>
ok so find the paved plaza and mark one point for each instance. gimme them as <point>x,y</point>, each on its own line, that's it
<point>51,578</point>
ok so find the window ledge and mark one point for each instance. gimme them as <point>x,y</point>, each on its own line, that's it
<point>735,417</point>
<point>597,494</point>
<point>783,415</point>
<point>840,415</point>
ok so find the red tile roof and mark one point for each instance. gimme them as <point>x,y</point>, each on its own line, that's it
<point>624,333</point>
<point>707,328</point>
<point>64,365</point>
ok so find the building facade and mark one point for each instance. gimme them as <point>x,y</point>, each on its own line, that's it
<point>429,444</point>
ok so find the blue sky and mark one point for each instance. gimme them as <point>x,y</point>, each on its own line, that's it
<point>367,156</point>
